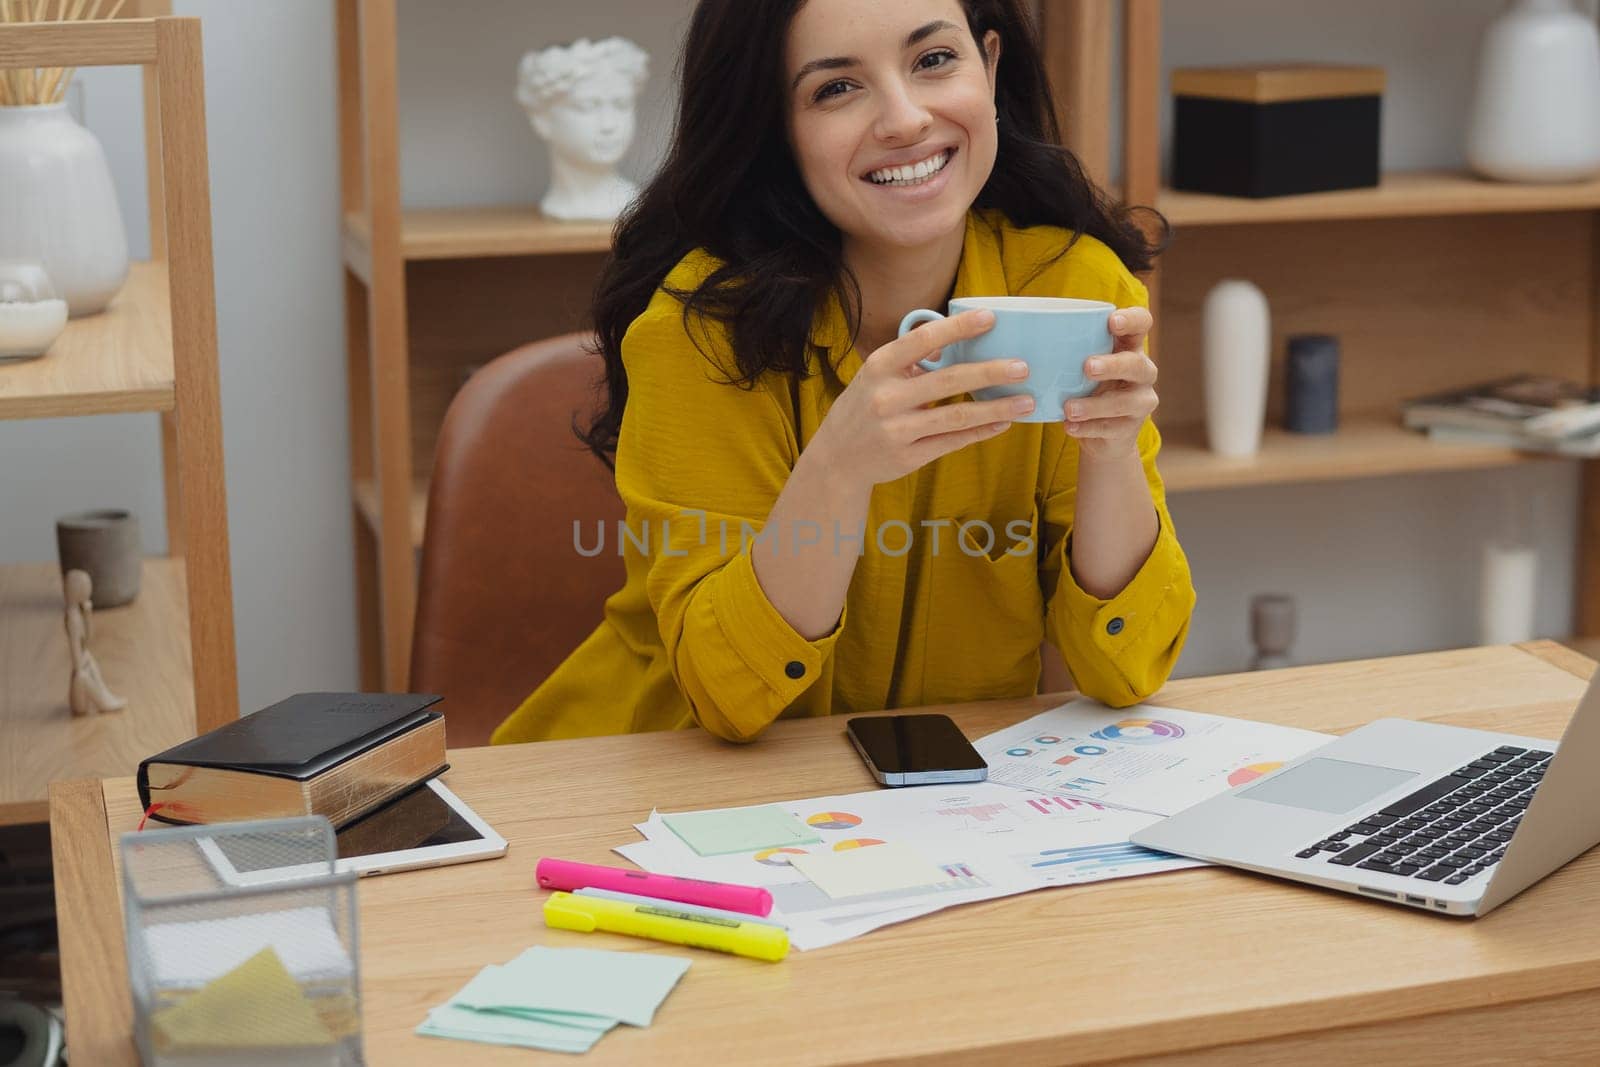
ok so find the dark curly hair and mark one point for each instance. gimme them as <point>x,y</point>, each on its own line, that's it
<point>730,185</point>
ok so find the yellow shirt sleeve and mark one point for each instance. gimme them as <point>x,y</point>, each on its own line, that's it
<point>1123,649</point>
<point>702,487</point>
<point>1119,650</point>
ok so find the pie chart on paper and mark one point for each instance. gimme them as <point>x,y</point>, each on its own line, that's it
<point>856,842</point>
<point>833,820</point>
<point>777,857</point>
<point>1249,774</point>
<point>1139,731</point>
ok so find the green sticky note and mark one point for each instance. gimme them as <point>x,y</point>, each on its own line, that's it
<point>464,1024</point>
<point>562,1000</point>
<point>578,984</point>
<point>501,990</point>
<point>725,830</point>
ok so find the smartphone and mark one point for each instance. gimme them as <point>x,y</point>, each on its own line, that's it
<point>916,750</point>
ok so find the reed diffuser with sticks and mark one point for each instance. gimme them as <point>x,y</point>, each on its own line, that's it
<point>58,205</point>
<point>46,85</point>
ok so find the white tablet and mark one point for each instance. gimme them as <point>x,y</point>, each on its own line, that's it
<point>427,827</point>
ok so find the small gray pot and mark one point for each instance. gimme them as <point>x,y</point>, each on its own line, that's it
<point>106,545</point>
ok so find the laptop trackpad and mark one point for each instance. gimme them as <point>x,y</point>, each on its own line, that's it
<point>1327,785</point>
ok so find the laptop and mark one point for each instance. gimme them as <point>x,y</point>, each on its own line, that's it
<point>1443,818</point>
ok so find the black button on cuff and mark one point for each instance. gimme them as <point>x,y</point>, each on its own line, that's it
<point>1114,627</point>
<point>795,669</point>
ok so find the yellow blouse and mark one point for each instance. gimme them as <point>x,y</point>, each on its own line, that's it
<point>936,611</point>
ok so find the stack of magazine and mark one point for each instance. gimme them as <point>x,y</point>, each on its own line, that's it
<point>1539,414</point>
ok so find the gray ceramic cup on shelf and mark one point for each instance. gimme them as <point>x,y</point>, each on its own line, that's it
<point>106,545</point>
<point>1053,335</point>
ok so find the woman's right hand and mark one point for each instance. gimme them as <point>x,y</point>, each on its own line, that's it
<point>884,424</point>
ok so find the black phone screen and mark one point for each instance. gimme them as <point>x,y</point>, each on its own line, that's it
<point>419,818</point>
<point>908,744</point>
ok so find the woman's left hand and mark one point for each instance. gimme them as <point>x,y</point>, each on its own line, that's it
<point>1107,423</point>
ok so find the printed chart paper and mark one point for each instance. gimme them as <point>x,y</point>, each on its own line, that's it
<point>988,840</point>
<point>1142,758</point>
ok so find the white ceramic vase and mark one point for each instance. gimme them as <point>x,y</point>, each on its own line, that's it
<point>1536,111</point>
<point>59,207</point>
<point>1236,337</point>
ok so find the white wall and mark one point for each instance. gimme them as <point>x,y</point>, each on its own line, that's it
<point>1377,566</point>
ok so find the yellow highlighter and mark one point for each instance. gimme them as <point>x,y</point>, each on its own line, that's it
<point>663,922</point>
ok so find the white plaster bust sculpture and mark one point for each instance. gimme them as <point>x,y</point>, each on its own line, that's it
<point>579,99</point>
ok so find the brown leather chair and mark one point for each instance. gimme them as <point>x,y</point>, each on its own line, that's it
<point>503,597</point>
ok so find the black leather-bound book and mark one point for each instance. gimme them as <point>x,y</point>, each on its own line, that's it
<point>333,754</point>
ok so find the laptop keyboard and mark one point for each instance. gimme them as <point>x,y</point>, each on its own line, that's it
<point>1448,831</point>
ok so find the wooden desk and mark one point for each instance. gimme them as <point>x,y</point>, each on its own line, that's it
<point>1211,965</point>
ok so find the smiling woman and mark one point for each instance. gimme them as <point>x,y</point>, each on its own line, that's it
<point>894,145</point>
<point>836,164</point>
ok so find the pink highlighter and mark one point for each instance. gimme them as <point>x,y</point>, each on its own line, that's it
<point>568,876</point>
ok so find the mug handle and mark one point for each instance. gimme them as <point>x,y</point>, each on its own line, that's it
<point>912,321</point>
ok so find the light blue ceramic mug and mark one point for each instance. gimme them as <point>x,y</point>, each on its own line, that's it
<point>1052,335</point>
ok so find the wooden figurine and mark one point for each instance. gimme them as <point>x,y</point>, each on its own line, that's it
<point>87,694</point>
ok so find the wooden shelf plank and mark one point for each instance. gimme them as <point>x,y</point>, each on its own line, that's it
<point>460,233</point>
<point>1366,446</point>
<point>119,360</point>
<point>143,652</point>
<point>51,43</point>
<point>1404,193</point>
<point>476,232</point>
<point>24,812</point>
<point>365,492</point>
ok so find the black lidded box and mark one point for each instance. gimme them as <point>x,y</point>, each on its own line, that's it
<point>1276,131</point>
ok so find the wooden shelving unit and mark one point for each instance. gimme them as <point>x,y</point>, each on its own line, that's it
<point>1400,272</point>
<point>170,652</point>
<point>1432,280</point>
<point>429,295</point>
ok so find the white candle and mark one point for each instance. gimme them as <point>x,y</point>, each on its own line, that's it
<point>1506,593</point>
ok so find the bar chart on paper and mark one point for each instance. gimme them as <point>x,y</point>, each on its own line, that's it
<point>1052,805</point>
<point>980,816</point>
<point>1092,863</point>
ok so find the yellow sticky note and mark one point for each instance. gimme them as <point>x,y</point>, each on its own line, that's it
<point>258,1004</point>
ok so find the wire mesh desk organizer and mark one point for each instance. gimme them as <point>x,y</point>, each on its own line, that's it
<point>242,945</point>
